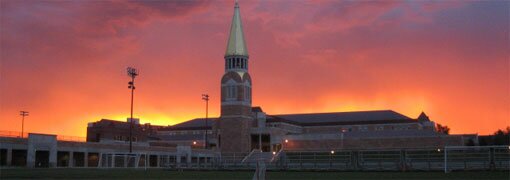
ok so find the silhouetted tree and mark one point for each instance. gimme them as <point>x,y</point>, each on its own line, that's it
<point>442,129</point>
<point>502,137</point>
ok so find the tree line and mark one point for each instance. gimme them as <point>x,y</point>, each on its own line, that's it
<point>500,137</point>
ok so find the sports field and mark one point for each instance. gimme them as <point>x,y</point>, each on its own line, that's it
<point>167,174</point>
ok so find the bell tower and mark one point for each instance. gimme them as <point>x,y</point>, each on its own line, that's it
<point>236,117</point>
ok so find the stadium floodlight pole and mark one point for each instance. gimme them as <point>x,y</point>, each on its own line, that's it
<point>132,72</point>
<point>23,114</point>
<point>205,97</point>
<point>342,138</point>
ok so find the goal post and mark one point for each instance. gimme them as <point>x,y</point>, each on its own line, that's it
<point>123,160</point>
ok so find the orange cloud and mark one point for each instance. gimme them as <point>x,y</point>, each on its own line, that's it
<point>65,61</point>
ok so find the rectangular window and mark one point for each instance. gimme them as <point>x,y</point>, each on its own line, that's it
<point>231,92</point>
<point>228,92</point>
<point>247,92</point>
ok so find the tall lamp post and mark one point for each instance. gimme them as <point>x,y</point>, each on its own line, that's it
<point>205,97</point>
<point>342,138</point>
<point>132,72</point>
<point>23,114</point>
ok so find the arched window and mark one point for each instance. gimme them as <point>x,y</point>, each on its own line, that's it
<point>247,93</point>
<point>231,92</point>
<point>228,63</point>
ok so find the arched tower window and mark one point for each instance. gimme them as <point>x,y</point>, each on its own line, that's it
<point>235,63</point>
<point>228,63</point>
<point>231,63</point>
<point>231,92</point>
<point>247,93</point>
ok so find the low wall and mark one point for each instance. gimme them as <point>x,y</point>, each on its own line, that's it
<point>42,150</point>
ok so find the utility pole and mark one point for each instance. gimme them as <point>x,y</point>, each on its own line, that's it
<point>23,114</point>
<point>205,97</point>
<point>342,138</point>
<point>132,72</point>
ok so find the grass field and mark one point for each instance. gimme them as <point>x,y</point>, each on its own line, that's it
<point>167,174</point>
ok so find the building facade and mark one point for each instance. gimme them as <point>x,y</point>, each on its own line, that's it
<point>243,128</point>
<point>106,130</point>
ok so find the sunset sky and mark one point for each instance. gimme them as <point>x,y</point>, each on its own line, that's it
<point>65,61</point>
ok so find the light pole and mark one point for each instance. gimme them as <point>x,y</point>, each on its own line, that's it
<point>342,138</point>
<point>23,114</point>
<point>132,72</point>
<point>205,97</point>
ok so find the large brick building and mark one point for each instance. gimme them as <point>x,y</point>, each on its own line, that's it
<point>242,128</point>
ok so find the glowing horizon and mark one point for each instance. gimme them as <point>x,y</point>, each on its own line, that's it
<point>64,62</point>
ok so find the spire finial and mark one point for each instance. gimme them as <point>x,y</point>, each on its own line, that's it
<point>236,45</point>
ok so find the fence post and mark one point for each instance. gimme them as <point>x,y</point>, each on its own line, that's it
<point>428,159</point>
<point>314,160</point>
<point>168,160</point>
<point>354,160</point>
<point>403,160</point>
<point>465,163</point>
<point>492,163</point>
<point>113,160</point>
<point>445,159</point>
<point>235,161</point>
<point>199,162</point>
<point>300,160</point>
<point>330,163</point>
<point>125,160</point>
<point>100,163</point>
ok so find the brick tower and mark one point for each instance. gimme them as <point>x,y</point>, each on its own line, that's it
<point>236,117</point>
